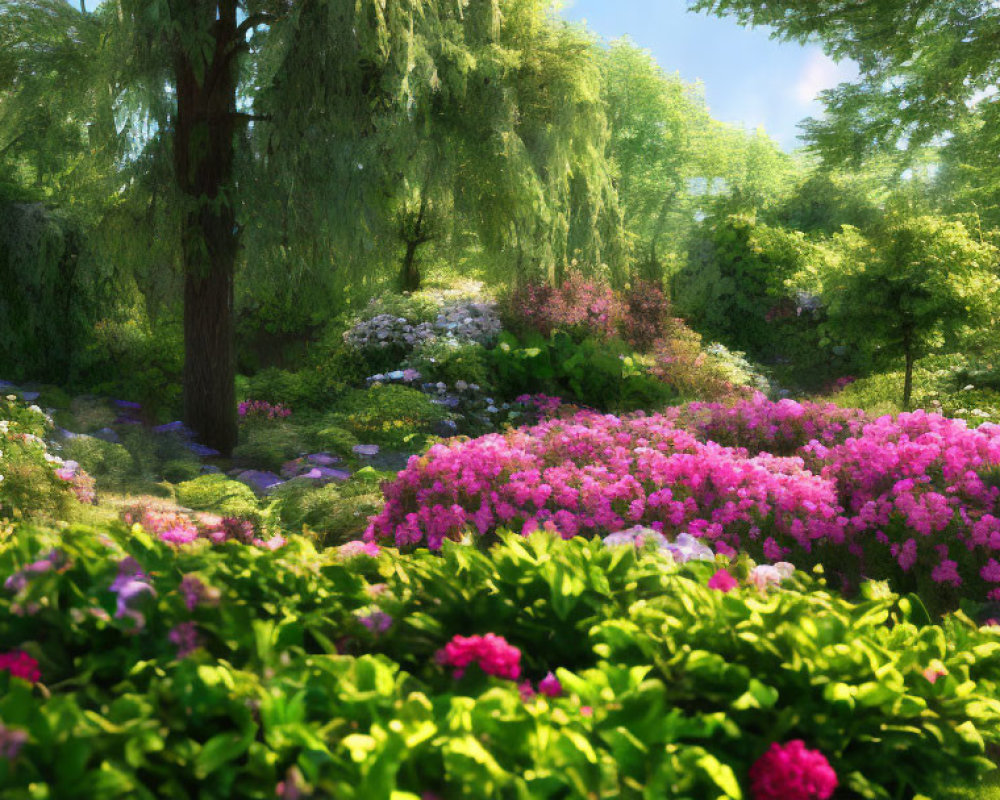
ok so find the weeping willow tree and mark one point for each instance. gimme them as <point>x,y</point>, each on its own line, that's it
<point>333,132</point>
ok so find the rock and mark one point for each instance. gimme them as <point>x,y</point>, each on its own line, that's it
<point>210,469</point>
<point>108,435</point>
<point>260,482</point>
<point>445,427</point>
<point>202,451</point>
<point>174,427</point>
<point>366,450</point>
<point>30,397</point>
<point>324,475</point>
<point>323,459</point>
<point>127,404</point>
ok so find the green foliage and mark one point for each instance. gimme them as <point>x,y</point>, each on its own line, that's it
<point>596,373</point>
<point>669,688</point>
<point>448,361</point>
<point>110,465</point>
<point>296,390</point>
<point>331,514</point>
<point>48,297</point>
<point>912,285</point>
<point>134,361</point>
<point>28,486</point>
<point>218,494</point>
<point>336,440</point>
<point>268,444</point>
<point>388,415</point>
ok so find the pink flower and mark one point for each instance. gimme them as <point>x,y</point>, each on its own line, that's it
<point>550,686</point>
<point>491,652</point>
<point>791,772</point>
<point>20,665</point>
<point>722,581</point>
<point>933,674</point>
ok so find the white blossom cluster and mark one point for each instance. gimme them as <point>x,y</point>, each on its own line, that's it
<point>386,330</point>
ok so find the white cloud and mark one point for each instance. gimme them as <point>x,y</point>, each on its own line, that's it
<point>820,72</point>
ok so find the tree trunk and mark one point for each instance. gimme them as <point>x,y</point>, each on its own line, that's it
<point>409,274</point>
<point>908,380</point>
<point>204,149</point>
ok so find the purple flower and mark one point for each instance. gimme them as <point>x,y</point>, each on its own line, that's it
<point>11,741</point>
<point>550,686</point>
<point>196,592</point>
<point>185,636</point>
<point>130,584</point>
<point>376,620</point>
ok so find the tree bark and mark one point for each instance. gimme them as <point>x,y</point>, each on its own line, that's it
<point>908,379</point>
<point>409,274</point>
<point>204,150</point>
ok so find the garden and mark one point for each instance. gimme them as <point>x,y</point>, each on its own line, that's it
<point>433,401</point>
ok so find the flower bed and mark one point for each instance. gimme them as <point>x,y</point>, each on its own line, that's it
<point>910,498</point>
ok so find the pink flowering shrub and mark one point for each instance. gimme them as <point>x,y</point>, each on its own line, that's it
<point>492,653</point>
<point>759,425</point>
<point>645,315</point>
<point>178,528</point>
<point>261,410</point>
<point>590,474</point>
<point>580,307</point>
<point>909,498</point>
<point>792,772</point>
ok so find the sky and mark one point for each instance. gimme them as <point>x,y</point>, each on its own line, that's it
<point>749,78</point>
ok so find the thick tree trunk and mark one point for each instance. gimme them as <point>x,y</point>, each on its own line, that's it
<point>204,149</point>
<point>409,274</point>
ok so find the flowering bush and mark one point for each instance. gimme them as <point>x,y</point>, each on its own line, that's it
<point>388,415</point>
<point>681,361</point>
<point>911,498</point>
<point>469,321</point>
<point>33,481</point>
<point>242,663</point>
<point>260,410</point>
<point>579,307</point>
<point>645,314</point>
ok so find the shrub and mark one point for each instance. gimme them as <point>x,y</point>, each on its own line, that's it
<point>681,361</point>
<point>387,415</point>
<point>645,314</point>
<point>227,672</point>
<point>908,499</point>
<point>268,445</point>
<point>179,470</point>
<point>218,494</point>
<point>111,465</point>
<point>333,514</point>
<point>579,307</point>
<point>449,361</point>
<point>278,387</point>
<point>337,441</point>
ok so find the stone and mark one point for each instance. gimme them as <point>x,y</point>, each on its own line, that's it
<point>366,450</point>
<point>108,435</point>
<point>323,459</point>
<point>261,482</point>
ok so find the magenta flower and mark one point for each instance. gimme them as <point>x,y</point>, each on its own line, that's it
<point>550,686</point>
<point>722,581</point>
<point>20,665</point>
<point>791,772</point>
<point>491,652</point>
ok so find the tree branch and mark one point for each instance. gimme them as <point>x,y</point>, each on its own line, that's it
<point>244,117</point>
<point>252,21</point>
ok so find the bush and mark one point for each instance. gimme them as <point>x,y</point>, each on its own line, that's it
<point>597,373</point>
<point>682,362</point>
<point>645,314</point>
<point>907,499</point>
<point>337,441</point>
<point>333,514</point>
<point>218,494</point>
<point>450,361</point>
<point>111,465</point>
<point>296,390</point>
<point>268,444</point>
<point>579,307</point>
<point>387,415</point>
<point>236,669</point>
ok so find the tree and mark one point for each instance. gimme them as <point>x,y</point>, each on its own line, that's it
<point>925,66</point>
<point>907,287</point>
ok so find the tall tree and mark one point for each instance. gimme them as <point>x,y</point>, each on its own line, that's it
<point>925,66</point>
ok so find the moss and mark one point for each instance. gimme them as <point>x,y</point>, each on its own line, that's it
<point>336,440</point>
<point>391,416</point>
<point>268,444</point>
<point>330,514</point>
<point>110,465</point>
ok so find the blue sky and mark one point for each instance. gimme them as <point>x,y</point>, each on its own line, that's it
<point>749,78</point>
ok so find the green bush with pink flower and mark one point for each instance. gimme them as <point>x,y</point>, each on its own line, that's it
<point>137,666</point>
